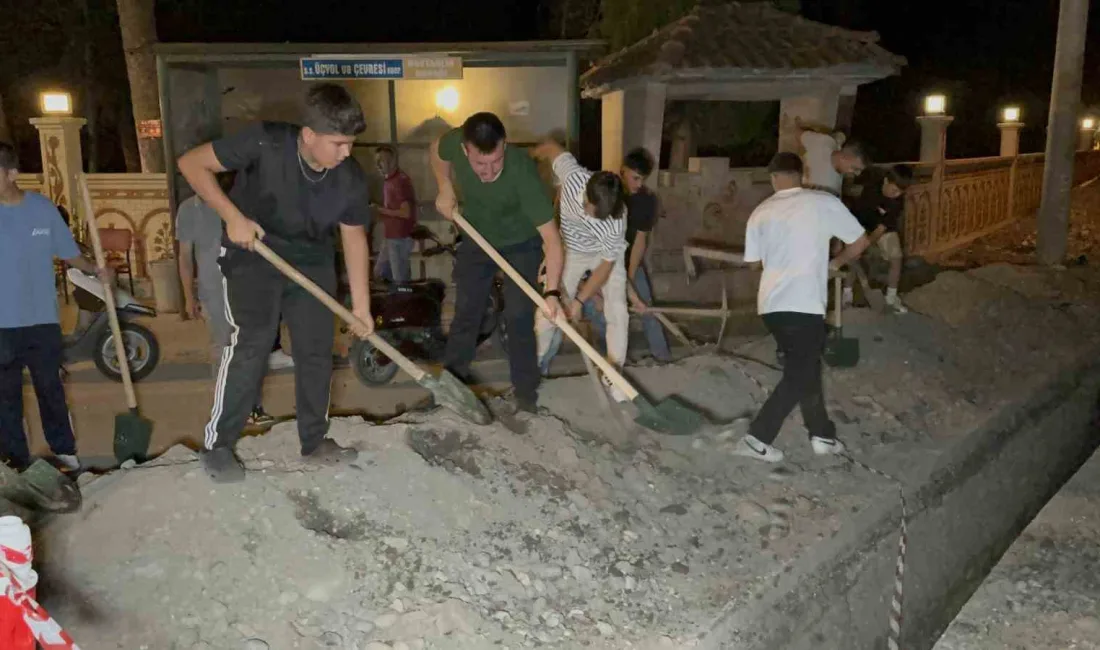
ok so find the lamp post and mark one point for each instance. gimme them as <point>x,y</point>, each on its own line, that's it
<point>933,128</point>
<point>59,140</point>
<point>1010,126</point>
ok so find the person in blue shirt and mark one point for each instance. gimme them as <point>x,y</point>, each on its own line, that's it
<point>32,234</point>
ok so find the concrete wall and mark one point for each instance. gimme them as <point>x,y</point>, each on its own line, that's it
<point>962,519</point>
<point>709,202</point>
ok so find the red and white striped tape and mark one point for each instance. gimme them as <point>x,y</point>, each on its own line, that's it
<point>893,641</point>
<point>18,578</point>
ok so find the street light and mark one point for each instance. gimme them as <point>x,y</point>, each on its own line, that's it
<point>935,105</point>
<point>1011,114</point>
<point>56,103</point>
<point>1088,124</point>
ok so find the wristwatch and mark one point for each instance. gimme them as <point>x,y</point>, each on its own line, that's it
<point>553,293</point>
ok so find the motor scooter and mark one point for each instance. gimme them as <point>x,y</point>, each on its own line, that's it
<point>92,338</point>
<point>409,316</point>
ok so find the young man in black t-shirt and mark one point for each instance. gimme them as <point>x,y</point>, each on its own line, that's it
<point>295,185</point>
<point>879,208</point>
<point>641,217</point>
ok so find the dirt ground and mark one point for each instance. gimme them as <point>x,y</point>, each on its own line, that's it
<point>562,530</point>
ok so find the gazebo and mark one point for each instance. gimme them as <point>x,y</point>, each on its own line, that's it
<point>734,51</point>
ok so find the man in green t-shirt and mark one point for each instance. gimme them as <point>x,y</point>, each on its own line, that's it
<point>504,199</point>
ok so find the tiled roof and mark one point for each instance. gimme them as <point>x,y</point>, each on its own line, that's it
<point>753,38</point>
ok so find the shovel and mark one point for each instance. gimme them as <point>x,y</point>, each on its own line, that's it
<point>132,432</point>
<point>447,389</point>
<point>667,416</point>
<point>873,296</point>
<point>839,351</point>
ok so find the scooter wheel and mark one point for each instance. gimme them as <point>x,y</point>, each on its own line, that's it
<point>370,366</point>
<point>142,349</point>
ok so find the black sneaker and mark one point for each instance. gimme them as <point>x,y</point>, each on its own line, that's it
<point>260,418</point>
<point>527,405</point>
<point>328,452</point>
<point>222,466</point>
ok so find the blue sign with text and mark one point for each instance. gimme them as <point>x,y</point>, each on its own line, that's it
<point>317,69</point>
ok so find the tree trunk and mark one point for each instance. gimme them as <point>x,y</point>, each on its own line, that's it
<point>1065,101</point>
<point>91,97</point>
<point>139,33</point>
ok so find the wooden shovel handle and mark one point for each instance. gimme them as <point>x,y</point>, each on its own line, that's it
<point>343,312</point>
<point>108,293</point>
<point>671,327</point>
<point>837,300</point>
<point>561,321</point>
<point>698,312</point>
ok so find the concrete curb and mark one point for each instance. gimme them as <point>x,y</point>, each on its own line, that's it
<point>964,515</point>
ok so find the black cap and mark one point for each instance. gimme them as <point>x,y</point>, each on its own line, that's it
<point>785,162</point>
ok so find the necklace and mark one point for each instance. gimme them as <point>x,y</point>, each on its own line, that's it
<point>305,174</point>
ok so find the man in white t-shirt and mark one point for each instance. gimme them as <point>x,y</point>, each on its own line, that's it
<point>789,235</point>
<point>828,159</point>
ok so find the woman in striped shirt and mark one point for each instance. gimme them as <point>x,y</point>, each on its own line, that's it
<point>592,208</point>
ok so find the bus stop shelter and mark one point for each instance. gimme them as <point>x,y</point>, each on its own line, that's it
<point>411,92</point>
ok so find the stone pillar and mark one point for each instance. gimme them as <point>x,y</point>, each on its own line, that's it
<point>818,109</point>
<point>683,146</point>
<point>632,117</point>
<point>933,137</point>
<point>1010,138</point>
<point>1086,137</point>
<point>846,108</point>
<point>59,138</point>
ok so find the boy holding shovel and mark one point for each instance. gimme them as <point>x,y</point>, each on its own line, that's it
<point>504,199</point>
<point>296,185</point>
<point>32,234</point>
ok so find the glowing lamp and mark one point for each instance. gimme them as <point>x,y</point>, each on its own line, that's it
<point>935,105</point>
<point>56,103</point>
<point>446,99</point>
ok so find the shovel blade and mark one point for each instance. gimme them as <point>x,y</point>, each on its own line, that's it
<point>132,436</point>
<point>448,391</point>
<point>44,488</point>
<point>668,416</point>
<point>841,352</point>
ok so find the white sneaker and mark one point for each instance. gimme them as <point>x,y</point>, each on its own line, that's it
<point>895,305</point>
<point>279,360</point>
<point>751,447</point>
<point>828,446</point>
<point>69,462</point>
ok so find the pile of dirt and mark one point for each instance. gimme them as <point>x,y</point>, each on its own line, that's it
<point>449,535</point>
<point>563,530</point>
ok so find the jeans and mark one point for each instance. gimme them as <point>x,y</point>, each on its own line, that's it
<point>394,261</point>
<point>801,338</point>
<point>549,342</point>
<point>38,348</point>
<point>473,275</point>
<point>654,332</point>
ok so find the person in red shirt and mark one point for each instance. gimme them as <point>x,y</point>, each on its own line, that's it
<point>398,214</point>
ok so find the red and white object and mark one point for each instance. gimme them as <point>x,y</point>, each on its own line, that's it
<point>22,619</point>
